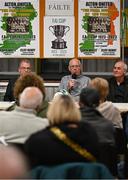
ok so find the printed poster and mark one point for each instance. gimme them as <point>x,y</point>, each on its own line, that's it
<point>99,28</point>
<point>19,28</point>
<point>58,37</point>
<point>125,26</point>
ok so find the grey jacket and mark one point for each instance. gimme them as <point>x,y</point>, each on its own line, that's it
<point>80,82</point>
<point>17,125</point>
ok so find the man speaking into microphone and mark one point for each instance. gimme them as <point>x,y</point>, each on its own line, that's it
<point>74,82</point>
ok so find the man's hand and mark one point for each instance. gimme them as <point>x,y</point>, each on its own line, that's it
<point>71,84</point>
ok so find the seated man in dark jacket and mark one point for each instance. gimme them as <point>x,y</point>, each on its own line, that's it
<point>89,100</point>
<point>118,84</point>
<point>24,67</point>
<point>118,87</point>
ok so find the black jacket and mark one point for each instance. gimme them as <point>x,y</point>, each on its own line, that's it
<point>9,91</point>
<point>44,148</point>
<point>106,135</point>
<point>103,127</point>
<point>118,93</point>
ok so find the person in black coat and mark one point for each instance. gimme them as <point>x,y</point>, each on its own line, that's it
<point>46,148</point>
<point>24,67</point>
<point>89,100</point>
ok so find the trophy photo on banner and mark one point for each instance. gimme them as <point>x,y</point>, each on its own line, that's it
<point>59,31</point>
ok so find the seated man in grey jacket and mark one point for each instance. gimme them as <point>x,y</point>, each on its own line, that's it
<point>74,82</point>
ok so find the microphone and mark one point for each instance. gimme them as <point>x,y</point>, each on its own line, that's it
<point>74,76</point>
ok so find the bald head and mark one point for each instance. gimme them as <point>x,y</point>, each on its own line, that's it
<point>31,98</point>
<point>74,60</point>
<point>75,66</point>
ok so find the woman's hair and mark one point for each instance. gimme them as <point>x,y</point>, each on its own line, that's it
<point>63,109</point>
<point>28,80</point>
<point>102,86</point>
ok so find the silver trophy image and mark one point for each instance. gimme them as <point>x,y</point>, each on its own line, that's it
<point>59,31</point>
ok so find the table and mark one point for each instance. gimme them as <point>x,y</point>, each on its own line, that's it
<point>123,107</point>
<point>4,105</point>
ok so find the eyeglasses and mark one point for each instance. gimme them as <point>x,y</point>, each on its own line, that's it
<point>75,66</point>
<point>25,68</point>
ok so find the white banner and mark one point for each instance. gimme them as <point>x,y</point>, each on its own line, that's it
<point>19,28</point>
<point>99,28</point>
<point>58,37</point>
<point>59,7</point>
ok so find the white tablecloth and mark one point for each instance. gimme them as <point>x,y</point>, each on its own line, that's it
<point>123,107</point>
<point>4,105</point>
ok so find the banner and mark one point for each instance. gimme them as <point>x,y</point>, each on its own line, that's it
<point>99,28</point>
<point>125,27</point>
<point>59,7</point>
<point>19,28</point>
<point>58,37</point>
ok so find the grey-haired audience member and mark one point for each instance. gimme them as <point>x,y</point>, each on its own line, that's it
<point>17,125</point>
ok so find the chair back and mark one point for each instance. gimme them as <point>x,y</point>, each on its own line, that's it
<point>77,170</point>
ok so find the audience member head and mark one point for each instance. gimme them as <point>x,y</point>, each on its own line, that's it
<point>75,66</point>
<point>24,66</point>
<point>89,97</point>
<point>120,69</point>
<point>31,98</point>
<point>102,86</point>
<point>63,109</point>
<point>28,80</point>
<point>61,92</point>
<point>13,164</point>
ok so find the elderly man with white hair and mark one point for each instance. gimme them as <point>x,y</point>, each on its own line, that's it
<point>118,84</point>
<point>74,82</point>
<point>16,126</point>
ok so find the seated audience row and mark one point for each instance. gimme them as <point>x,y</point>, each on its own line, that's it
<point>68,139</point>
<point>73,139</point>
